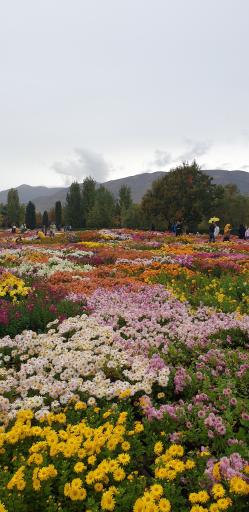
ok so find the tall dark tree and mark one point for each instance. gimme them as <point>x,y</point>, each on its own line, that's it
<point>13,207</point>
<point>30,215</point>
<point>185,193</point>
<point>38,217</point>
<point>103,211</point>
<point>88,197</point>
<point>123,204</point>
<point>74,206</point>
<point>58,214</point>
<point>22,213</point>
<point>124,197</point>
<point>45,219</point>
<point>3,215</point>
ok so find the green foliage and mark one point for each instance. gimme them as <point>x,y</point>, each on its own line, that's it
<point>227,293</point>
<point>124,197</point>
<point>45,219</point>
<point>30,215</point>
<point>133,217</point>
<point>3,215</point>
<point>103,211</point>
<point>22,213</point>
<point>185,193</point>
<point>232,207</point>
<point>13,207</point>
<point>58,214</point>
<point>35,312</point>
<point>88,198</point>
<point>124,203</point>
<point>73,206</point>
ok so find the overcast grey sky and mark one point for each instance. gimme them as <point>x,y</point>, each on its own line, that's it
<point>110,88</point>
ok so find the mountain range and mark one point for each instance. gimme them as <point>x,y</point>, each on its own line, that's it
<point>44,198</point>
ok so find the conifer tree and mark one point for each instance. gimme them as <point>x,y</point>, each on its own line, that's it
<point>30,215</point>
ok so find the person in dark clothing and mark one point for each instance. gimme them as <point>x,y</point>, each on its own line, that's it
<point>153,228</point>
<point>242,231</point>
<point>178,228</point>
<point>211,232</point>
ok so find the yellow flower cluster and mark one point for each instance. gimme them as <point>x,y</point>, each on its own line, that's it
<point>238,485</point>
<point>17,480</point>
<point>99,464</point>
<point>152,501</point>
<point>40,475</point>
<point>78,441</point>
<point>12,286</point>
<point>93,245</point>
<point>74,490</point>
<point>197,499</point>
<point>108,500</point>
<point>168,465</point>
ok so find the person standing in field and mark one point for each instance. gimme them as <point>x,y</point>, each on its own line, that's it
<point>247,233</point>
<point>227,233</point>
<point>178,228</point>
<point>211,232</point>
<point>216,231</point>
<point>242,231</point>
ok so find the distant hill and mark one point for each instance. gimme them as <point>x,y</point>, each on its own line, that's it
<point>44,197</point>
<point>29,193</point>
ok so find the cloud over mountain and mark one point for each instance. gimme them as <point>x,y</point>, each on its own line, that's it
<point>195,149</point>
<point>83,163</point>
<point>161,158</point>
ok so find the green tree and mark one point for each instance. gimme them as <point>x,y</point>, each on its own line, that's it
<point>133,217</point>
<point>30,216</point>
<point>3,215</point>
<point>232,207</point>
<point>74,206</point>
<point>58,214</point>
<point>38,218</point>
<point>103,211</point>
<point>88,198</point>
<point>124,197</point>
<point>45,219</point>
<point>22,213</point>
<point>13,207</point>
<point>185,193</point>
<point>51,215</point>
<point>124,203</point>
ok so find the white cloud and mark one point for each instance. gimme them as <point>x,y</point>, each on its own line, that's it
<point>195,149</point>
<point>161,158</point>
<point>84,163</point>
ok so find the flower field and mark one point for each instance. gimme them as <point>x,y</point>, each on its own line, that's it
<point>124,373</point>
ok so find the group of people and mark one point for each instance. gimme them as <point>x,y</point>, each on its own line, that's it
<point>40,234</point>
<point>176,227</point>
<point>243,232</point>
<point>45,231</point>
<point>214,231</point>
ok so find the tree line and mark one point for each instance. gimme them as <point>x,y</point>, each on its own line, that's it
<point>184,194</point>
<point>87,206</point>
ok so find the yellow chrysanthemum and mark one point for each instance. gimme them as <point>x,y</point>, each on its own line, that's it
<point>218,491</point>
<point>164,505</point>
<point>158,448</point>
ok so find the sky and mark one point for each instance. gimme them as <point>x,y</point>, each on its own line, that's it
<point>111,88</point>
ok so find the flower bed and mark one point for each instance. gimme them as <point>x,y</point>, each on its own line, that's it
<point>124,374</point>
